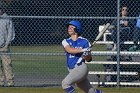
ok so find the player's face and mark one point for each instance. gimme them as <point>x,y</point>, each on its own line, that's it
<point>124,11</point>
<point>71,30</point>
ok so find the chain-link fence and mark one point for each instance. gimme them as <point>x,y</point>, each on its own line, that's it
<point>40,26</point>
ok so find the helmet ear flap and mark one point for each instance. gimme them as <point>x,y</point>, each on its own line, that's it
<point>76,30</point>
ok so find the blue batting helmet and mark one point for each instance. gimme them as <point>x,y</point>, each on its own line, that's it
<point>77,24</point>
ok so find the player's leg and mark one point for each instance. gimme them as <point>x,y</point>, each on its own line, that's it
<point>7,65</point>
<point>87,87</point>
<point>77,74</point>
<point>1,74</point>
<point>136,36</point>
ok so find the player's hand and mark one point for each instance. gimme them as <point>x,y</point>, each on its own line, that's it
<point>125,23</point>
<point>88,58</point>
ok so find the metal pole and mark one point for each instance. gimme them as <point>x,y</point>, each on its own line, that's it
<point>118,43</point>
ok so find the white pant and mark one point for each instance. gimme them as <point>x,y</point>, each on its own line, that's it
<point>78,76</point>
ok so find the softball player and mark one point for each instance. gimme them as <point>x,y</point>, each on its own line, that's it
<point>77,51</point>
<point>7,34</point>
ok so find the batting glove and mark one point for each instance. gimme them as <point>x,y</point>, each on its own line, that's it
<point>86,49</point>
<point>85,53</point>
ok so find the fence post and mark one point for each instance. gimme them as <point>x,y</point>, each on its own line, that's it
<point>118,43</point>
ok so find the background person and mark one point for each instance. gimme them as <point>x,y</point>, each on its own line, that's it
<point>126,30</point>
<point>7,34</point>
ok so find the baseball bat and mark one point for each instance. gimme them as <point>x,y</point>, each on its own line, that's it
<point>101,33</point>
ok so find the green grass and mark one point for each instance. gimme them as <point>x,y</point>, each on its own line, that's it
<point>121,90</point>
<point>38,66</point>
<point>60,90</point>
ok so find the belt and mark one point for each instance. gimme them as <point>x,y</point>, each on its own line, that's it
<point>77,64</point>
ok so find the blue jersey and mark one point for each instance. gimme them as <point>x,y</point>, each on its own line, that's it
<point>72,59</point>
<point>138,22</point>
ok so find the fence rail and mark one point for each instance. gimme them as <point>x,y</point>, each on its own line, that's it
<point>113,62</point>
<point>112,73</point>
<point>126,53</point>
<point>71,17</point>
<point>115,83</point>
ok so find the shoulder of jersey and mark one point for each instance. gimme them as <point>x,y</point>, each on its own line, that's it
<point>84,39</point>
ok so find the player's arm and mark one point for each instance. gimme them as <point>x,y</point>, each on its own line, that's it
<point>72,50</point>
<point>10,33</point>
